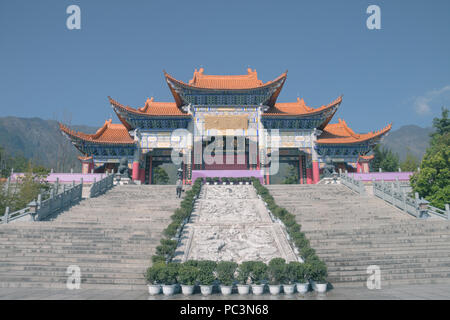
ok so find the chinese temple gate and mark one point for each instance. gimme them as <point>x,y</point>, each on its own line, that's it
<point>225,122</point>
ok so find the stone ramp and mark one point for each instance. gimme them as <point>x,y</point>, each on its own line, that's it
<point>230,223</point>
<point>111,238</point>
<point>351,232</point>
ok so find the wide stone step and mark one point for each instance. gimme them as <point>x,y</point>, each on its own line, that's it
<point>91,259</point>
<point>392,266</point>
<point>350,232</point>
<point>111,238</point>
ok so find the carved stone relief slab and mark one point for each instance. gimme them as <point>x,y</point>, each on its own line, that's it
<point>230,223</point>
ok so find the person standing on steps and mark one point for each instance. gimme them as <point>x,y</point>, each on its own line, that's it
<point>179,183</point>
<point>179,188</point>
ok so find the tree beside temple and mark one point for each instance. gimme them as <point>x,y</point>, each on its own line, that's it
<point>433,180</point>
<point>292,176</point>
<point>410,163</point>
<point>16,195</point>
<point>161,176</point>
<point>385,159</point>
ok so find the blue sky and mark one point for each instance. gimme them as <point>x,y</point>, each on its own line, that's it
<point>399,74</point>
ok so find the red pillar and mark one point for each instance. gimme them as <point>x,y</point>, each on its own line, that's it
<point>87,164</point>
<point>358,167</point>
<point>309,179</point>
<point>142,175</point>
<point>135,174</point>
<point>315,171</point>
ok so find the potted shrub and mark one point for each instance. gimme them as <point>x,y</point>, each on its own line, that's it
<point>247,180</point>
<point>216,180</point>
<point>258,276</point>
<point>168,277</point>
<point>296,275</point>
<point>152,276</point>
<point>187,277</point>
<point>243,277</point>
<point>206,276</point>
<point>307,252</point>
<point>277,274</point>
<point>317,271</point>
<point>225,274</point>
<point>209,180</point>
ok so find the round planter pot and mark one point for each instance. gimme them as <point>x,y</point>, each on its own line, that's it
<point>274,289</point>
<point>168,289</point>
<point>257,289</point>
<point>320,287</point>
<point>215,183</point>
<point>243,289</point>
<point>154,289</point>
<point>289,288</point>
<point>206,290</point>
<point>302,287</point>
<point>241,182</point>
<point>226,290</point>
<point>187,290</point>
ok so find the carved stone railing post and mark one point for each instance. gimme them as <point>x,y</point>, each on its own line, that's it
<point>8,183</point>
<point>57,185</point>
<point>416,201</point>
<point>404,200</point>
<point>63,195</point>
<point>447,210</point>
<point>6,215</point>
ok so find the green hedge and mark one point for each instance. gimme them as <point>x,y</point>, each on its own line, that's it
<point>319,268</point>
<point>166,250</point>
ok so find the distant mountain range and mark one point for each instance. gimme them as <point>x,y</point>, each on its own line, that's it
<point>409,138</point>
<point>41,141</point>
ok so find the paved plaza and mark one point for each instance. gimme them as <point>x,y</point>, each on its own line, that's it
<point>411,292</point>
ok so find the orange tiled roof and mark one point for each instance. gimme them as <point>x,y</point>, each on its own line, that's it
<point>245,81</point>
<point>225,82</point>
<point>110,133</point>
<point>85,158</point>
<point>340,133</point>
<point>298,108</point>
<point>366,158</point>
<point>152,108</point>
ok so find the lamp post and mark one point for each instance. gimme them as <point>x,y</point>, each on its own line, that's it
<point>422,205</point>
<point>33,209</point>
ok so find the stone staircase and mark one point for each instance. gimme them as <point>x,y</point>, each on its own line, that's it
<point>351,232</point>
<point>111,238</point>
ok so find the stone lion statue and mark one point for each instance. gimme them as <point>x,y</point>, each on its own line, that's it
<point>123,168</point>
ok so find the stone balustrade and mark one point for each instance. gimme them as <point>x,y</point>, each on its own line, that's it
<point>418,207</point>
<point>100,187</point>
<point>353,184</point>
